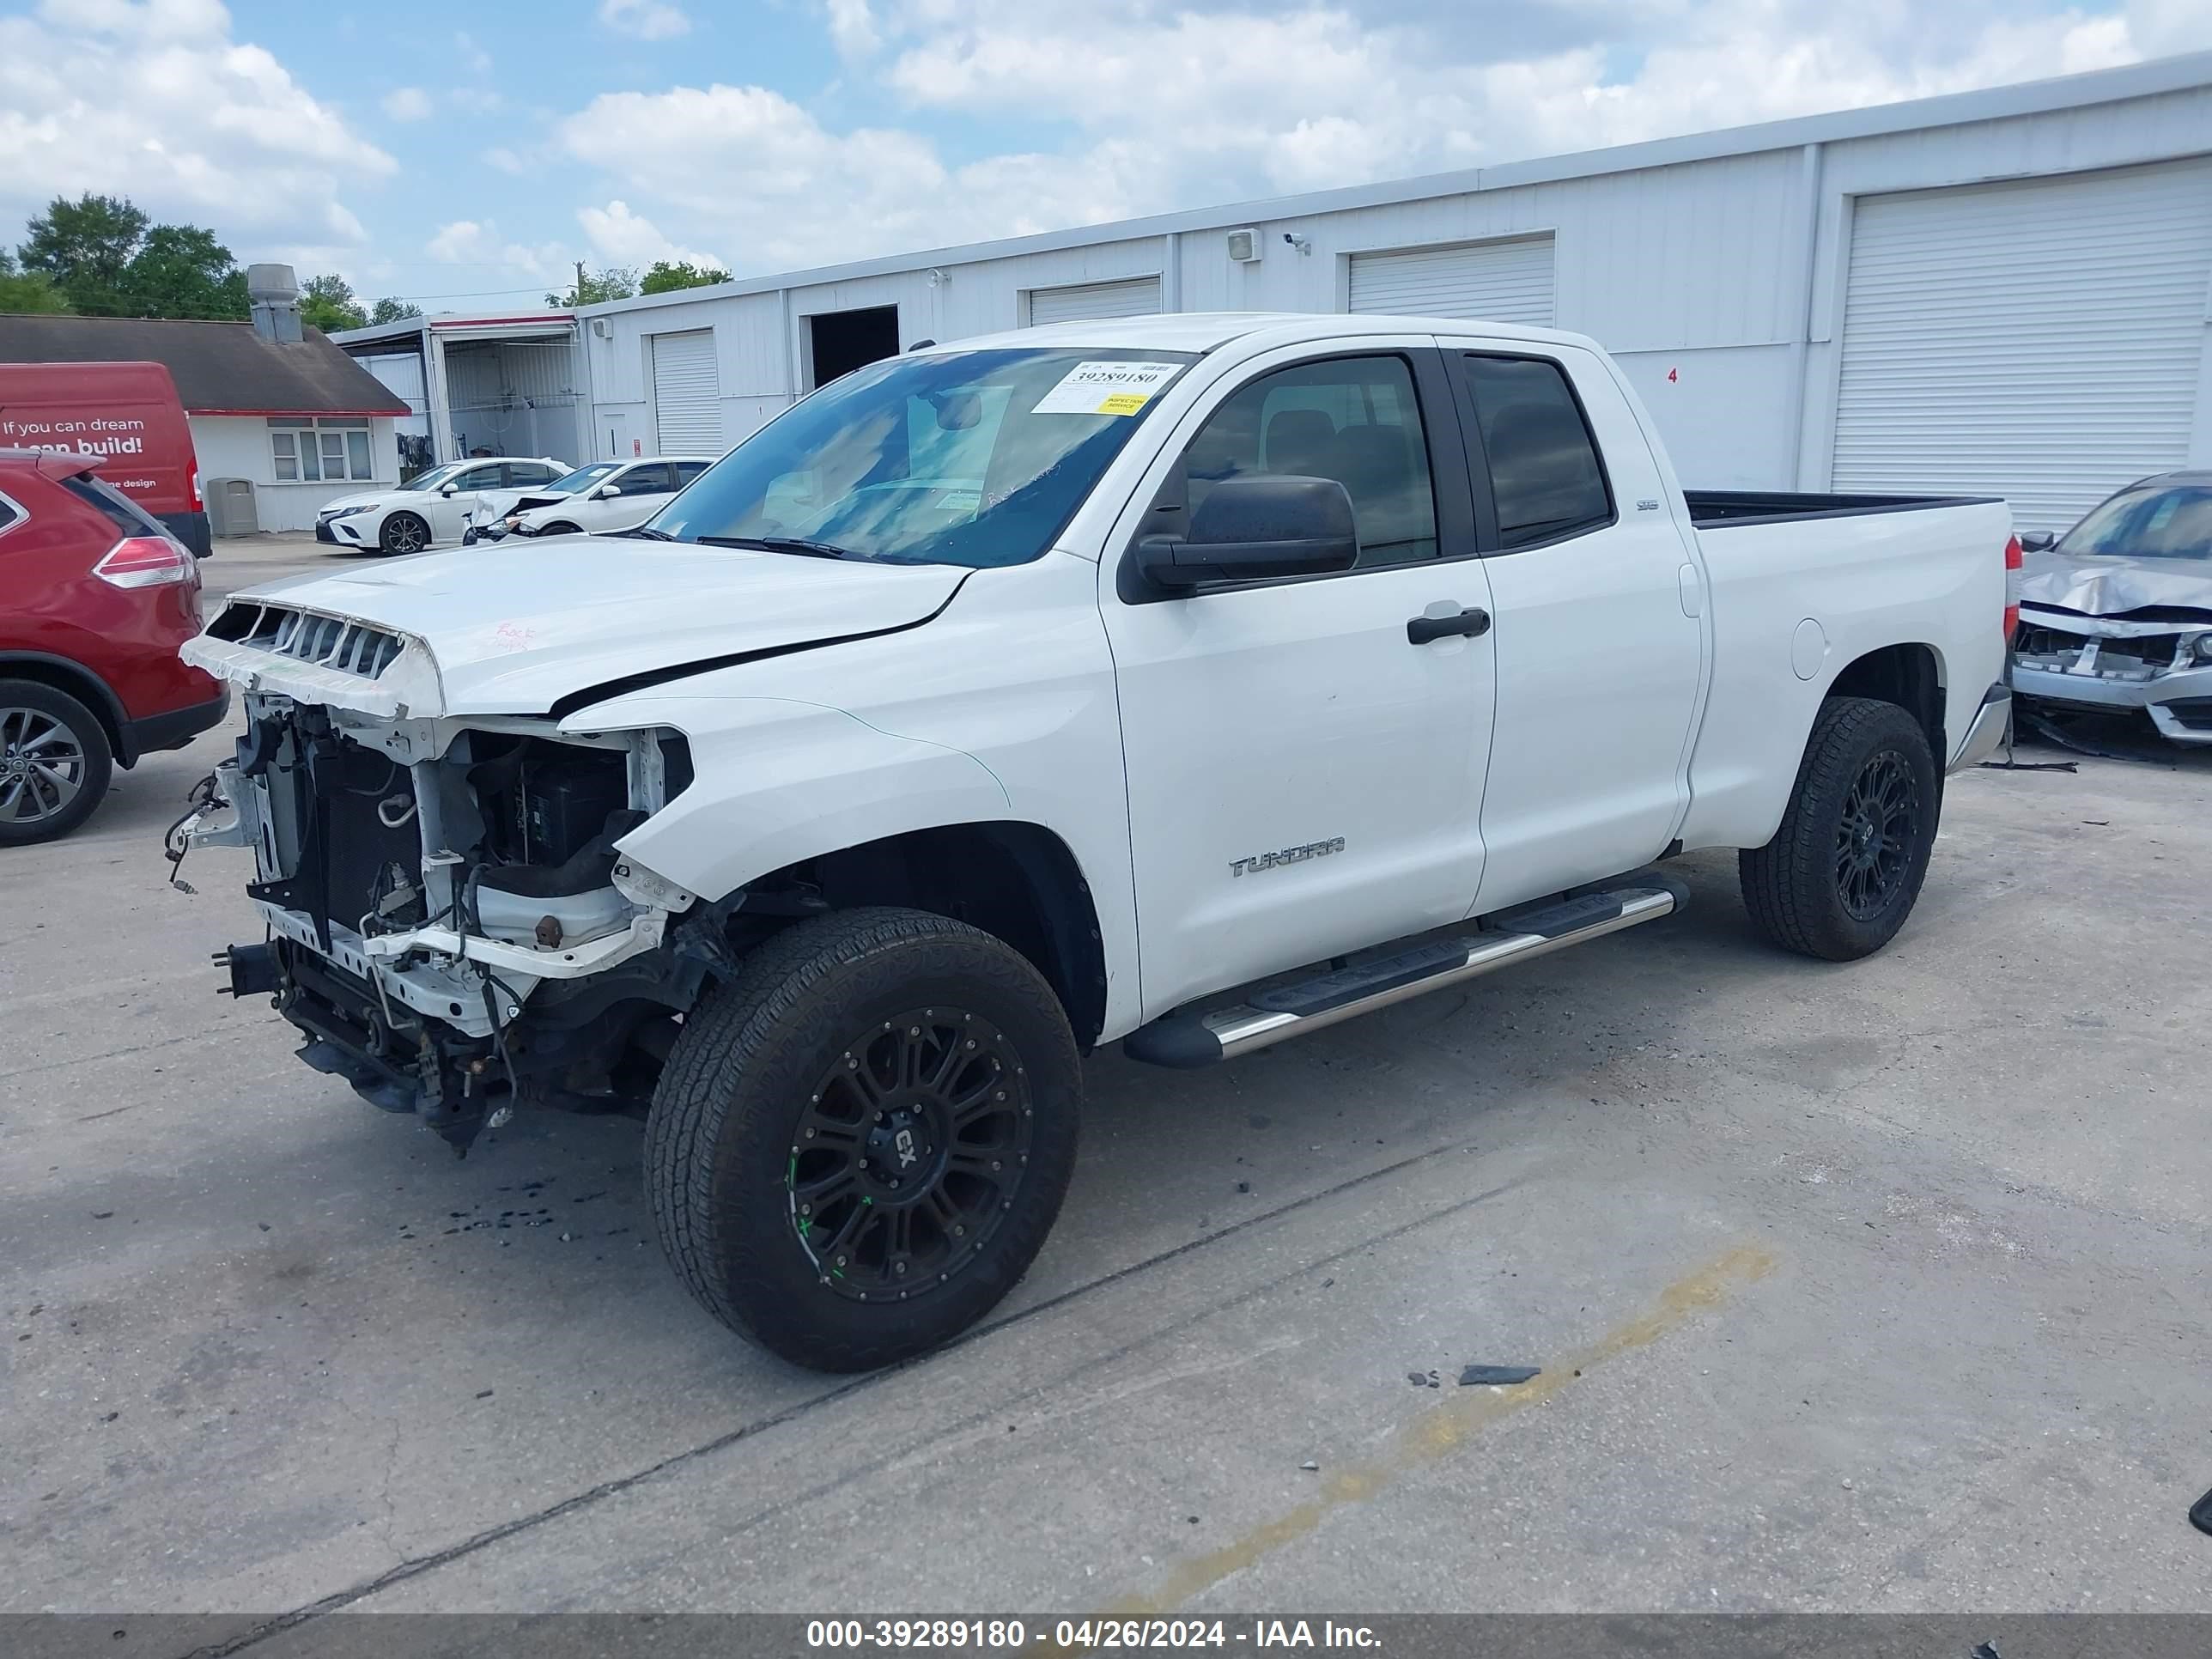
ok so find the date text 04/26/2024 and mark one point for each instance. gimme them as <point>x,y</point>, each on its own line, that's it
<point>1084,1634</point>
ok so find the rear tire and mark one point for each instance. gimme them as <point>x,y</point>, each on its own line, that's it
<point>55,763</point>
<point>402,533</point>
<point>857,1146</point>
<point>1844,871</point>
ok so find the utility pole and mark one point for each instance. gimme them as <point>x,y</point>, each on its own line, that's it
<point>580,281</point>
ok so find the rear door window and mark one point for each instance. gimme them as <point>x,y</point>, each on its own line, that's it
<point>651,479</point>
<point>1544,475</point>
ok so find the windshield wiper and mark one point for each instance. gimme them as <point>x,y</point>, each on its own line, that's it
<point>812,549</point>
<point>646,532</point>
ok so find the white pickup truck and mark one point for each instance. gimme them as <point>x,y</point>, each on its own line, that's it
<point>1188,681</point>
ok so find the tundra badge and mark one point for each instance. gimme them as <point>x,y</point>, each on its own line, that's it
<point>1312,850</point>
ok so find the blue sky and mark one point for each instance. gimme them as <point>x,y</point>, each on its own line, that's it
<point>463,156</point>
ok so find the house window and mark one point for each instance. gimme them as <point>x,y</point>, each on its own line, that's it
<point>331,450</point>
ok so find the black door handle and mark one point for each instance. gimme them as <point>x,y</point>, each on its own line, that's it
<point>1472,622</point>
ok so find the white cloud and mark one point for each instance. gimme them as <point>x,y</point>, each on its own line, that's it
<point>477,244</point>
<point>479,61</point>
<point>1160,104</point>
<point>155,101</point>
<point>852,27</point>
<point>407,104</point>
<point>506,161</point>
<point>645,19</point>
<point>620,237</point>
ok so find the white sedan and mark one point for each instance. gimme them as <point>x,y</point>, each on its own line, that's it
<point>429,508</point>
<point>629,493</point>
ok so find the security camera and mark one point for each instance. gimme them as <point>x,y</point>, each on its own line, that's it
<point>1304,244</point>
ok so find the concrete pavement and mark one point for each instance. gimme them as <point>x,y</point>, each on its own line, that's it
<point>1874,1288</point>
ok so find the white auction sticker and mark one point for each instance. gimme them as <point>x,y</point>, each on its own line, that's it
<point>1106,388</point>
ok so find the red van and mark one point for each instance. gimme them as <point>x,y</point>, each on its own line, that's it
<point>126,416</point>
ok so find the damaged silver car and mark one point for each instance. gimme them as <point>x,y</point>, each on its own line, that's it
<point>2116,615</point>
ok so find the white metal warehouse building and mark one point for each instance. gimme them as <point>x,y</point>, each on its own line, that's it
<point>2002,292</point>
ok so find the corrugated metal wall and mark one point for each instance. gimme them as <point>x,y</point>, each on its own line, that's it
<point>1716,282</point>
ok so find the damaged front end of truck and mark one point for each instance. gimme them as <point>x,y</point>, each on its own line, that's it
<point>451,923</point>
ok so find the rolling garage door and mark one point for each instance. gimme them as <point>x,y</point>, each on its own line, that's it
<point>687,394</point>
<point>1500,282</point>
<point>1139,298</point>
<point>2039,341</point>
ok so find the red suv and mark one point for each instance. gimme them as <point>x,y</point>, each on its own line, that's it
<point>95,598</point>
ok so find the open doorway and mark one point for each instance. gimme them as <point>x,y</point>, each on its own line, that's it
<point>842,341</point>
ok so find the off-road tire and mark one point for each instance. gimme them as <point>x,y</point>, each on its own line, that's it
<point>721,1138</point>
<point>392,532</point>
<point>92,766</point>
<point>1791,885</point>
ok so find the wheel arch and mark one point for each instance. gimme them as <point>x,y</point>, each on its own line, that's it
<point>74,679</point>
<point>1014,879</point>
<point>1910,675</point>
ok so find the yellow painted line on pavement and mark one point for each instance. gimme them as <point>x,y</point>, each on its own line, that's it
<point>1444,1428</point>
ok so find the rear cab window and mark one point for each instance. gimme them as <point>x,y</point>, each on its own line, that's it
<point>1546,481</point>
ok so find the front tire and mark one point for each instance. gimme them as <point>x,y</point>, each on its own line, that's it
<point>857,1146</point>
<point>1844,871</point>
<point>563,528</point>
<point>403,532</point>
<point>55,763</point>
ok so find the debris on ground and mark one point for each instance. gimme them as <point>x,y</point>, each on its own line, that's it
<point>2200,1514</point>
<point>2082,740</point>
<point>1309,1466</point>
<point>1425,1379</point>
<point>1475,1376</point>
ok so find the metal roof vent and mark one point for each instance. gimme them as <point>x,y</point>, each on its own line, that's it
<point>274,292</point>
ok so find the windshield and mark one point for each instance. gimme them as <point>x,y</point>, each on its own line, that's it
<point>2156,522</point>
<point>581,479</point>
<point>434,476</point>
<point>974,458</point>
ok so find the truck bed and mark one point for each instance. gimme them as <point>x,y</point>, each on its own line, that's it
<point>1719,509</point>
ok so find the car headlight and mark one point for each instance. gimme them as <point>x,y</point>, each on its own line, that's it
<point>2204,647</point>
<point>349,512</point>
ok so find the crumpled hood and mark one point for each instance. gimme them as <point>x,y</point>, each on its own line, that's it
<point>2101,586</point>
<point>511,628</point>
<point>498,503</point>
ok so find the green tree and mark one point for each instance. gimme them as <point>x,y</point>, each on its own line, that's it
<point>614,282</point>
<point>389,310</point>
<point>26,290</point>
<point>85,249</point>
<point>327,302</point>
<point>666,275</point>
<point>181,270</point>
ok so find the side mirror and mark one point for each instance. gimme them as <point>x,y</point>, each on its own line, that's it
<point>1250,528</point>
<point>449,490</point>
<point>2038,541</point>
<point>605,493</point>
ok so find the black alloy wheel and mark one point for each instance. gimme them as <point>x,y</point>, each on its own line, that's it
<point>910,1154</point>
<point>1876,835</point>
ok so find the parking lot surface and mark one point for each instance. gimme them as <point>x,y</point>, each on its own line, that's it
<point>1879,1287</point>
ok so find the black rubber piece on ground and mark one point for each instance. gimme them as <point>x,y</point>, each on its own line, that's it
<point>2200,1514</point>
<point>1790,884</point>
<point>1495,1377</point>
<point>91,739</point>
<point>719,1139</point>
